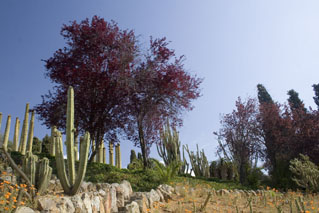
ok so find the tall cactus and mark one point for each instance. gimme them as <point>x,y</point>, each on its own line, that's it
<point>24,132</point>
<point>169,148</point>
<point>6,134</point>
<point>70,181</point>
<point>104,155</point>
<point>16,135</point>
<point>100,152</point>
<point>52,141</point>
<point>199,162</point>
<point>30,135</point>
<point>118,160</point>
<point>111,151</point>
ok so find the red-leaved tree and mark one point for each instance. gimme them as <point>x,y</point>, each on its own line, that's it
<point>161,90</point>
<point>97,62</point>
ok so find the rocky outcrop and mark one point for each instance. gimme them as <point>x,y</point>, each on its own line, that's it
<point>102,198</point>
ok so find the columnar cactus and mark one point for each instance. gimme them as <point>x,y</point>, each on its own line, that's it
<point>6,134</point>
<point>38,171</point>
<point>118,160</point>
<point>24,132</point>
<point>70,181</point>
<point>52,141</point>
<point>169,147</point>
<point>76,148</point>
<point>16,135</point>
<point>199,162</point>
<point>43,175</point>
<point>133,156</point>
<point>30,135</point>
<point>104,155</point>
<point>111,151</point>
<point>100,152</point>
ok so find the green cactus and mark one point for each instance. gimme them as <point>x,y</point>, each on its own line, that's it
<point>100,152</point>
<point>111,160</point>
<point>30,135</point>
<point>6,134</point>
<point>76,148</point>
<point>38,171</point>
<point>199,162</point>
<point>52,141</point>
<point>43,175</point>
<point>169,148</point>
<point>118,161</point>
<point>24,132</point>
<point>104,155</point>
<point>16,135</point>
<point>70,181</point>
<point>184,165</point>
<point>29,166</point>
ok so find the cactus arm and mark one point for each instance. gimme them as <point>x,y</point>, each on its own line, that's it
<point>16,135</point>
<point>70,135</point>
<point>6,134</point>
<point>52,141</point>
<point>30,135</point>
<point>60,163</point>
<point>84,155</point>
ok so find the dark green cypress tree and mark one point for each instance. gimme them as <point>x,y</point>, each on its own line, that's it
<point>316,97</point>
<point>294,100</point>
<point>263,95</point>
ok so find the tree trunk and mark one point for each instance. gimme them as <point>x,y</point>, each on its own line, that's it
<point>142,143</point>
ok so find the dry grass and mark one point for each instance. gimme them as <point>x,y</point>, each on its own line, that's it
<point>192,199</point>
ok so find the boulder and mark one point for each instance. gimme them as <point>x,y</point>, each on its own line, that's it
<point>133,207</point>
<point>24,209</point>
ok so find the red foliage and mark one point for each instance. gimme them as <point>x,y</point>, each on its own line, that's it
<point>96,62</point>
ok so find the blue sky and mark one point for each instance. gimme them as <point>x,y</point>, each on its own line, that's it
<point>233,45</point>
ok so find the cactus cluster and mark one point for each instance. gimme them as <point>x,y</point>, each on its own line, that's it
<point>36,172</point>
<point>169,147</point>
<point>223,170</point>
<point>72,180</point>
<point>199,162</point>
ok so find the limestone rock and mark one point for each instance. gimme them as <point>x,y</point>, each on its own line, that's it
<point>132,208</point>
<point>24,209</point>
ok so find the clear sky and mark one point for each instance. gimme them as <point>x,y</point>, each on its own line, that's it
<point>233,45</point>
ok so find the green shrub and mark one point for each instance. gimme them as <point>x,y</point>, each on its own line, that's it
<point>305,172</point>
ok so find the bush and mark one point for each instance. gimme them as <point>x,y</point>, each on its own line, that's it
<point>306,173</point>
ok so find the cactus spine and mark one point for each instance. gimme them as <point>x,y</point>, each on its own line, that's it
<point>24,132</point>
<point>111,153</point>
<point>118,160</point>
<point>6,134</point>
<point>71,182</point>
<point>30,135</point>
<point>16,135</point>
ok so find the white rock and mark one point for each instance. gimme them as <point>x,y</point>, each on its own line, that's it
<point>132,208</point>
